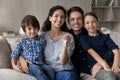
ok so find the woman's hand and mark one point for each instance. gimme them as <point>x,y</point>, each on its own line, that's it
<point>66,39</point>
<point>18,68</point>
<point>24,64</point>
<point>64,55</point>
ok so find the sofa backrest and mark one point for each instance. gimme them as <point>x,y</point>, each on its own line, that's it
<point>5,52</point>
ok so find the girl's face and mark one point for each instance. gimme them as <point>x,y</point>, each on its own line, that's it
<point>76,21</point>
<point>91,24</point>
<point>57,19</point>
<point>31,32</point>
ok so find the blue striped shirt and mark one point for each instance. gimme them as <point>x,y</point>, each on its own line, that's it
<point>32,50</point>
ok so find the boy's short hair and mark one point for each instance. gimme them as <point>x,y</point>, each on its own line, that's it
<point>30,20</point>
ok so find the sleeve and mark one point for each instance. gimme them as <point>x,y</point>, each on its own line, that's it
<point>109,42</point>
<point>84,42</point>
<point>17,50</point>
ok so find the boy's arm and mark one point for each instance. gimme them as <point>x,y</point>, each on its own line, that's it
<point>115,66</point>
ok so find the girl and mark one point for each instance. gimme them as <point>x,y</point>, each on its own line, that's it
<point>102,53</point>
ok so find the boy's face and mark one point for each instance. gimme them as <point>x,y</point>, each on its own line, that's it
<point>31,32</point>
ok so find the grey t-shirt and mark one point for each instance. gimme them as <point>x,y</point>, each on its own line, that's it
<point>54,49</point>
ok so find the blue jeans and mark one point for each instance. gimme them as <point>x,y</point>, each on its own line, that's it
<point>67,75</point>
<point>41,72</point>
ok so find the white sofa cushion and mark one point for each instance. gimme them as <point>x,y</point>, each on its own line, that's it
<point>10,74</point>
<point>114,35</point>
<point>4,53</point>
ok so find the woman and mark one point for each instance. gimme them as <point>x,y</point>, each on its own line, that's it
<point>58,51</point>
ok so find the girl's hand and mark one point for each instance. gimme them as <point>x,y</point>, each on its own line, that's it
<point>115,69</point>
<point>106,67</point>
<point>95,69</point>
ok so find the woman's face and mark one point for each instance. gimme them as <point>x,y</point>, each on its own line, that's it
<point>57,19</point>
<point>76,21</point>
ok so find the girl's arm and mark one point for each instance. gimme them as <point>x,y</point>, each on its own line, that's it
<point>111,44</point>
<point>101,61</point>
<point>115,66</point>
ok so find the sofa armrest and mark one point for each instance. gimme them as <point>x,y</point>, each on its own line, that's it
<point>5,52</point>
<point>10,74</point>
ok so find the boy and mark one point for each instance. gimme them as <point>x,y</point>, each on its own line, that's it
<point>31,47</point>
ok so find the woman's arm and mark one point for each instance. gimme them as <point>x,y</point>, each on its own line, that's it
<point>64,55</point>
<point>24,64</point>
<point>15,66</point>
<point>68,47</point>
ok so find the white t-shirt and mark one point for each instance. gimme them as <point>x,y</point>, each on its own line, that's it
<point>54,49</point>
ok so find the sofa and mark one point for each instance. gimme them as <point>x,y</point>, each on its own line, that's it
<point>6,71</point>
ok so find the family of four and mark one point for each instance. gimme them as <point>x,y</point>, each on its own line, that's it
<point>63,54</point>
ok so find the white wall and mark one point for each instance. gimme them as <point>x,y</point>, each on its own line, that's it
<point>13,11</point>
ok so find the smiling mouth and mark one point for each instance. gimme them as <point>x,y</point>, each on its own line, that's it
<point>76,25</point>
